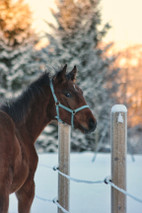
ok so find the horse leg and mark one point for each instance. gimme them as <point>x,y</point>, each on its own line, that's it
<point>4,201</point>
<point>5,183</point>
<point>4,195</point>
<point>25,196</point>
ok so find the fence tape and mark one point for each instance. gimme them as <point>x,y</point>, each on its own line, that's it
<point>52,201</point>
<point>108,181</point>
<point>43,199</point>
<point>78,180</point>
<point>59,206</point>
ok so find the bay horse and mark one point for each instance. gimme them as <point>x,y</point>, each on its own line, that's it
<point>21,122</point>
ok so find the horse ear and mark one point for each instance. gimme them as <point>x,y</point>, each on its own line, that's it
<point>61,76</point>
<point>72,74</point>
<point>64,70</point>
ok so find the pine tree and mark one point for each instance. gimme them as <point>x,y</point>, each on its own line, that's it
<point>76,41</point>
<point>17,40</point>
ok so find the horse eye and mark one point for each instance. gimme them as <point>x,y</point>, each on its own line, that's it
<point>68,95</point>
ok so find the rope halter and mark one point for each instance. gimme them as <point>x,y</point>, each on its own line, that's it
<point>59,105</point>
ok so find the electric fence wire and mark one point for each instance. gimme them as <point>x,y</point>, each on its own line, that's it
<point>52,201</point>
<point>107,180</point>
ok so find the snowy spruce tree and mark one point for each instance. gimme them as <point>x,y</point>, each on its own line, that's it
<point>75,40</point>
<point>17,40</point>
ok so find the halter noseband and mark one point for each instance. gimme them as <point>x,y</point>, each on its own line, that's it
<point>58,104</point>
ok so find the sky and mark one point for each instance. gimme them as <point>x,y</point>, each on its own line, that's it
<point>124,16</point>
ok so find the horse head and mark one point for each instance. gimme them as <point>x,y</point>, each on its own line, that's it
<point>71,106</point>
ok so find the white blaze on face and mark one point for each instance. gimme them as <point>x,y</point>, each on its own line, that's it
<point>75,87</point>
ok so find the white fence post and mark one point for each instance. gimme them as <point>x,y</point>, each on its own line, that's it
<point>118,157</point>
<point>64,165</point>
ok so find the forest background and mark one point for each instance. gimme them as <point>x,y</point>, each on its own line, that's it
<point>107,74</point>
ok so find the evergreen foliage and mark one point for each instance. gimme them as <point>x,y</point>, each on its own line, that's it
<point>16,46</point>
<point>76,40</point>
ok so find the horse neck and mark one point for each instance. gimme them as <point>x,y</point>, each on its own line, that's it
<point>40,114</point>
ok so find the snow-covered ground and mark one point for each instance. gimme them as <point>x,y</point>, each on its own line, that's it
<point>84,198</point>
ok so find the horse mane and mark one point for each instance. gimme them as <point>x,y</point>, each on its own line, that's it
<point>17,108</point>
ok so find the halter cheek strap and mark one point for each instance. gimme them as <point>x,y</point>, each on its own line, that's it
<point>58,104</point>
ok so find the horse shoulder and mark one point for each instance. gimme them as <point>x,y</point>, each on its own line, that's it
<point>6,123</point>
<point>7,128</point>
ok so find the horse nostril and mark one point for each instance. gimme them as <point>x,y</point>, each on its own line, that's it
<point>92,123</point>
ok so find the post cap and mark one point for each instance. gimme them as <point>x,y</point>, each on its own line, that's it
<point>118,108</point>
